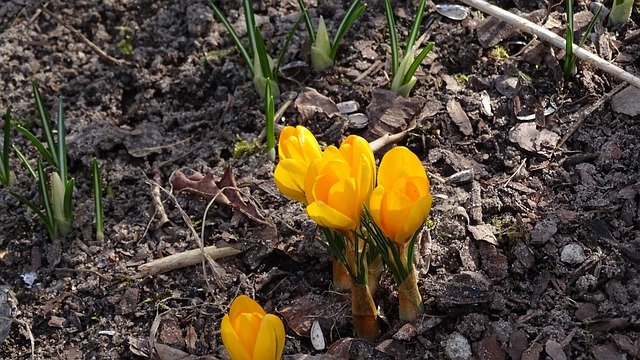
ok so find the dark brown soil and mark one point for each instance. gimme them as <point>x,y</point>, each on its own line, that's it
<point>535,250</point>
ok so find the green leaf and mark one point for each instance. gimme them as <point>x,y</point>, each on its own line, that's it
<point>416,62</point>
<point>415,28</point>
<point>355,10</point>
<point>307,21</point>
<point>97,201</point>
<point>62,143</point>
<point>393,38</point>
<point>49,225</point>
<point>46,128</point>
<point>25,162</point>
<point>234,36</point>
<point>46,200</point>
<point>321,49</point>
<point>5,171</point>
<point>269,115</point>
<point>46,154</point>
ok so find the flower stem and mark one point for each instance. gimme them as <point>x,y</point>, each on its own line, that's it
<point>374,270</point>
<point>341,279</point>
<point>409,298</point>
<point>364,312</point>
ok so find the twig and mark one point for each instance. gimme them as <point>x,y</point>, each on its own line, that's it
<point>387,139</point>
<point>85,40</point>
<point>183,259</point>
<point>555,40</point>
<point>583,113</point>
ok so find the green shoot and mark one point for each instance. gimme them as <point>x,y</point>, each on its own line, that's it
<point>261,66</point>
<point>56,194</point>
<point>569,66</point>
<point>402,72</point>
<point>323,51</point>
<point>5,172</point>
<point>97,201</point>
<point>269,110</point>
<point>620,12</point>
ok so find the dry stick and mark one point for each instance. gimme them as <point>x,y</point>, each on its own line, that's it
<point>85,40</point>
<point>388,138</point>
<point>555,40</point>
<point>183,259</point>
<point>583,113</point>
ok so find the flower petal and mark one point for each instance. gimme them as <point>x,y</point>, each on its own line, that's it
<point>329,217</point>
<point>394,211</point>
<point>416,216</point>
<point>270,339</point>
<point>289,177</point>
<point>399,163</point>
<point>231,341</point>
<point>244,304</point>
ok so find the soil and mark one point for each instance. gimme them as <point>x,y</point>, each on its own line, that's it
<point>535,226</point>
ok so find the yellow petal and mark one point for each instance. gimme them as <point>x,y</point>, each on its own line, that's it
<point>247,326</point>
<point>309,145</point>
<point>398,163</point>
<point>344,199</point>
<point>329,217</point>
<point>286,133</point>
<point>270,339</point>
<point>375,201</point>
<point>231,341</point>
<point>416,216</point>
<point>289,177</point>
<point>393,212</point>
<point>245,304</point>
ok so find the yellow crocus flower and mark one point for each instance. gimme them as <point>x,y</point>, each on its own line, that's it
<point>248,333</point>
<point>297,148</point>
<point>338,184</point>
<point>401,201</point>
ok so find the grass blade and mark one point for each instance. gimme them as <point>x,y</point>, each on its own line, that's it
<point>234,36</point>
<point>251,26</point>
<point>50,226</point>
<point>393,37</point>
<point>25,162</point>
<point>97,201</point>
<point>355,9</point>
<point>46,125</point>
<point>416,62</point>
<point>269,114</point>
<point>415,29</point>
<point>287,42</point>
<point>307,21</point>
<point>261,53</point>
<point>590,27</point>
<point>46,154</point>
<point>569,62</point>
<point>46,201</point>
<point>62,143</point>
<point>5,173</point>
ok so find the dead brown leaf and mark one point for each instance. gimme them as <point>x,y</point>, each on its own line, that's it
<point>223,192</point>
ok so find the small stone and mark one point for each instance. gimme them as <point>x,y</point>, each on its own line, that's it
<point>457,347</point>
<point>586,311</point>
<point>554,350</point>
<point>572,254</point>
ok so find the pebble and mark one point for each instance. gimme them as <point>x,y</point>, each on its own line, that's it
<point>572,254</point>
<point>457,347</point>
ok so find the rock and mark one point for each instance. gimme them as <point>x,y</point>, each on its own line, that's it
<point>489,349</point>
<point>457,347</point>
<point>586,311</point>
<point>554,350</point>
<point>572,254</point>
<point>532,140</point>
<point>627,101</point>
<point>544,230</point>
